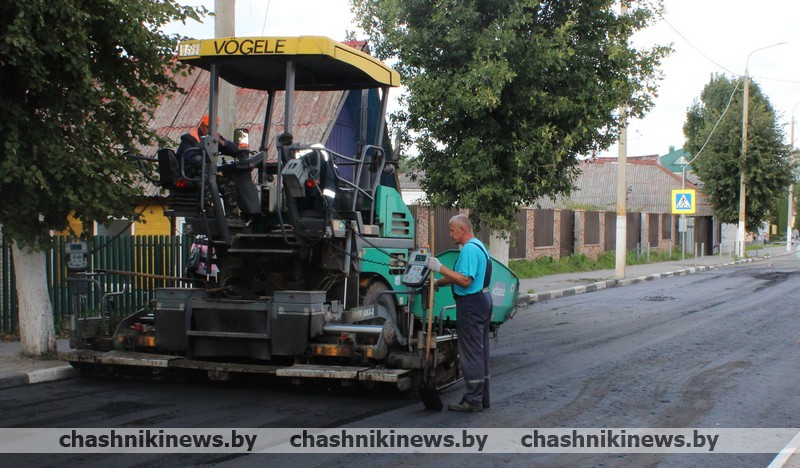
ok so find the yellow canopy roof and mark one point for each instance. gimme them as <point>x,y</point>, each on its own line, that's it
<point>260,63</point>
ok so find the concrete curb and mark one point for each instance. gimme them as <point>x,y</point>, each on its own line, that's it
<point>17,379</point>
<point>527,299</point>
<point>52,373</point>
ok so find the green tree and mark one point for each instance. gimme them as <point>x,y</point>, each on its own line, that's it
<point>505,95</point>
<point>767,166</point>
<point>76,78</point>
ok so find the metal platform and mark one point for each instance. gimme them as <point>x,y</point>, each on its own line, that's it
<point>365,374</point>
<point>399,377</point>
<point>123,358</point>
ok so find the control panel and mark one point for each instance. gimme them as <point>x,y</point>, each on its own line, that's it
<point>77,256</point>
<point>416,270</point>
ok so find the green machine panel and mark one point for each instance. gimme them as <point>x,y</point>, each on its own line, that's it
<point>504,288</point>
<point>393,215</point>
<point>378,261</point>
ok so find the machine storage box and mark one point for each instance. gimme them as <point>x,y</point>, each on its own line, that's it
<point>171,318</point>
<point>296,316</point>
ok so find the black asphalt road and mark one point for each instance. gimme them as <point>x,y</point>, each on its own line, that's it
<point>714,349</point>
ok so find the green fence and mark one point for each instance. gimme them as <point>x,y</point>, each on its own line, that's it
<point>8,297</point>
<point>134,266</point>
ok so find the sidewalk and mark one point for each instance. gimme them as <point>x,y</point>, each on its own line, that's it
<point>569,284</point>
<point>16,370</point>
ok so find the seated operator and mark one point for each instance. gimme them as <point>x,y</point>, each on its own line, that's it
<point>193,139</point>
<point>193,159</point>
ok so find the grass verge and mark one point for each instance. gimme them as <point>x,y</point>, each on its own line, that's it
<point>576,263</point>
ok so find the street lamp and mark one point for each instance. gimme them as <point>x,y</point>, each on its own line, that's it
<point>790,209</point>
<point>740,232</point>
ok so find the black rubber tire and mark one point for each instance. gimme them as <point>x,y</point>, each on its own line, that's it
<point>374,288</point>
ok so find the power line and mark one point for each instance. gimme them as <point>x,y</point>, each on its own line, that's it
<point>697,49</point>
<point>716,63</point>
<point>716,124</point>
<point>762,78</point>
<point>266,14</point>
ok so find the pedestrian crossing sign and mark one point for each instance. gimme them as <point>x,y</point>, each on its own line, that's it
<point>684,202</point>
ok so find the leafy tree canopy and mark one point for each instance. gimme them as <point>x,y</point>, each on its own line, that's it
<point>76,78</point>
<point>504,95</point>
<point>767,166</point>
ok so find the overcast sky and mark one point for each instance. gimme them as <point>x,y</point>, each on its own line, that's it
<point>709,36</point>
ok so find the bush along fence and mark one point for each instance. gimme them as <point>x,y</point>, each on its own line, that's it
<point>126,269</point>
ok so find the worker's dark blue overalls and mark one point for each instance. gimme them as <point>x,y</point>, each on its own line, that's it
<point>474,314</point>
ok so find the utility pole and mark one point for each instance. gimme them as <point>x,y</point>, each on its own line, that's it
<point>790,209</point>
<point>225,26</point>
<point>740,232</point>
<point>740,250</point>
<point>622,185</point>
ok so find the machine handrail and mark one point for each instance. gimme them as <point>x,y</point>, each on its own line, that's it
<point>359,161</point>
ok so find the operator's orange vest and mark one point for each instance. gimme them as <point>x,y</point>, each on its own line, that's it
<point>195,134</point>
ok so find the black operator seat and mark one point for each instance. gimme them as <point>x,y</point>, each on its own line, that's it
<point>182,197</point>
<point>168,168</point>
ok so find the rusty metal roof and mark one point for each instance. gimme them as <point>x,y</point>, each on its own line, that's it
<point>649,184</point>
<point>314,112</point>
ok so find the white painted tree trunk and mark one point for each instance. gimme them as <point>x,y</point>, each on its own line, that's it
<point>36,327</point>
<point>498,246</point>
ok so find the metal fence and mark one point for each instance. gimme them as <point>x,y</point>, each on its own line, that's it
<point>8,296</point>
<point>155,260</point>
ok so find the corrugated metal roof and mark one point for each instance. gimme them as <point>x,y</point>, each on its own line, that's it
<point>649,188</point>
<point>406,182</point>
<point>314,112</point>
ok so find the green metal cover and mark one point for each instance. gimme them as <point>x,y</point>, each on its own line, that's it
<point>504,287</point>
<point>378,261</point>
<point>393,215</point>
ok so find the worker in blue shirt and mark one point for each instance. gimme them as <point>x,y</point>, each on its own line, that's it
<point>470,279</point>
